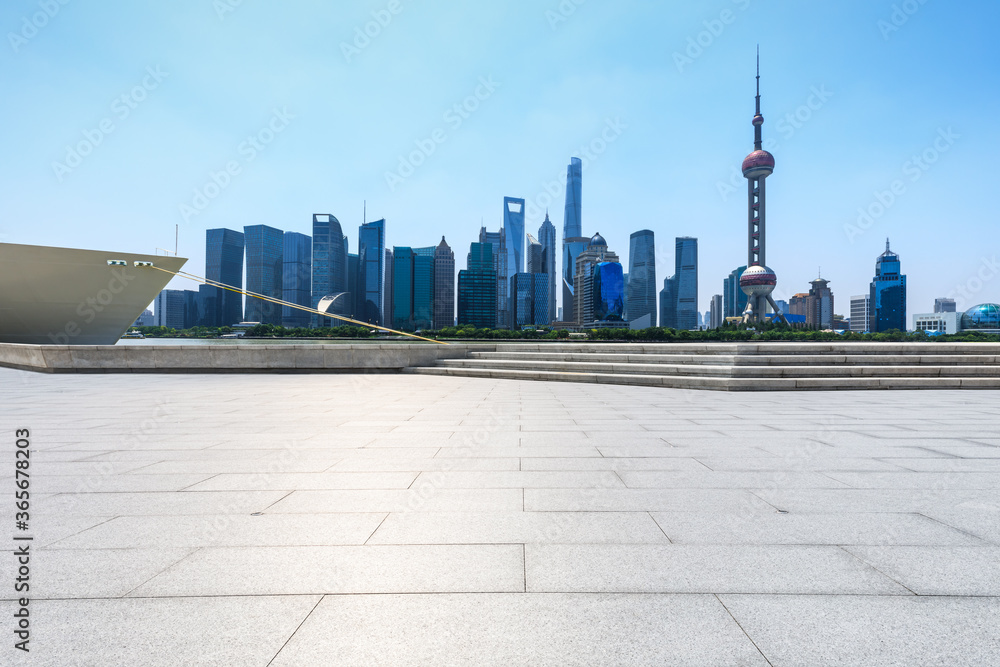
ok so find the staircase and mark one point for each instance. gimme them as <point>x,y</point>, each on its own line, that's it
<point>738,366</point>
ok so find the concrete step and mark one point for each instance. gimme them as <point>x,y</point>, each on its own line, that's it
<point>768,349</point>
<point>748,360</point>
<point>705,370</point>
<point>719,383</point>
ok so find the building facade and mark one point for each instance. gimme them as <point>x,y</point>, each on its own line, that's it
<point>547,238</point>
<point>859,313</point>
<point>944,305</point>
<point>224,264</point>
<point>265,253</point>
<point>583,279</point>
<point>412,288</point>
<point>529,299</point>
<point>887,294</point>
<point>734,300</point>
<point>296,279</point>
<point>477,288</point>
<point>641,292</point>
<point>715,316</point>
<point>819,304</point>
<point>444,286</point>
<point>573,240</point>
<point>372,281</point>
<point>329,259</point>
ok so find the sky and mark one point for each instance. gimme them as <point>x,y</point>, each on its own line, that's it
<point>122,120</point>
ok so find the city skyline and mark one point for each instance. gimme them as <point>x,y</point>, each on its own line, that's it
<point>917,158</point>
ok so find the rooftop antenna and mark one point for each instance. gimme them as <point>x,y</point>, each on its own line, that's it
<point>364,213</point>
<point>176,237</point>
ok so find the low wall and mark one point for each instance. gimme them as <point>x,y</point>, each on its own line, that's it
<point>231,358</point>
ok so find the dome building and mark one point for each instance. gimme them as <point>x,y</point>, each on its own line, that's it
<point>984,318</point>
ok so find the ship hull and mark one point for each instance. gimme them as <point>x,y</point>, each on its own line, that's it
<point>65,296</point>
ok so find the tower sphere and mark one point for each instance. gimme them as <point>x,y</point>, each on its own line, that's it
<point>757,164</point>
<point>758,280</point>
<point>758,120</point>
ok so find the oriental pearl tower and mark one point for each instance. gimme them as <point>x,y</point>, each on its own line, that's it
<point>758,281</point>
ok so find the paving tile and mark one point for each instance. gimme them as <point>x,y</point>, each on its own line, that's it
<point>342,569</point>
<point>424,498</point>
<point>187,502</point>
<point>123,483</point>
<point>425,464</point>
<point>643,500</point>
<point>518,527</point>
<point>678,568</point>
<point>306,480</point>
<point>509,629</point>
<point>870,631</point>
<point>707,479</point>
<point>617,464</point>
<point>521,479</point>
<point>919,480</point>
<point>929,570</point>
<point>165,632</point>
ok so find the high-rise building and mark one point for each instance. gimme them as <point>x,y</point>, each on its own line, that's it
<point>641,297</point>
<point>498,241</point>
<point>734,299</point>
<point>387,283</point>
<point>715,312</point>
<point>477,288</point>
<point>529,299</point>
<point>296,279</point>
<point>584,276</point>
<point>573,240</point>
<point>412,288</point>
<point>679,297</point>
<point>608,290</point>
<point>799,305</point>
<point>265,251</point>
<point>819,304</point>
<point>224,264</point>
<point>444,286</point>
<point>668,303</point>
<point>944,305</point>
<point>547,237</point>
<point>373,286</point>
<point>859,313</point>
<point>329,261</point>
<point>146,319</point>
<point>513,230</point>
<point>171,309</point>
<point>534,256</point>
<point>887,294</point>
<point>353,276</point>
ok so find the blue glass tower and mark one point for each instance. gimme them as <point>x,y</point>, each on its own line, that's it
<point>224,264</point>
<point>609,292</point>
<point>477,288</point>
<point>887,294</point>
<point>412,288</point>
<point>329,258</point>
<point>641,290</point>
<point>573,241</point>
<point>686,273</point>
<point>371,266</point>
<point>529,299</point>
<point>296,279</point>
<point>513,229</point>
<point>265,253</point>
<point>547,237</point>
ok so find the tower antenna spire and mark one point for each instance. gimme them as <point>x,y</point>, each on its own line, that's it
<point>758,120</point>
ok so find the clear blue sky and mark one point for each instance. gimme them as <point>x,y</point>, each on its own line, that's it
<point>556,79</point>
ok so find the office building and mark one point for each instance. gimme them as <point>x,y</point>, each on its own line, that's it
<point>573,240</point>
<point>534,256</point>
<point>887,294</point>
<point>641,290</point>
<point>146,319</point>
<point>679,297</point>
<point>513,231</point>
<point>172,309</point>
<point>944,305</point>
<point>412,288</point>
<point>859,313</point>
<point>798,305</point>
<point>583,280</point>
<point>444,286</point>
<point>734,299</point>
<point>296,279</point>
<point>265,252</point>
<point>477,288</point>
<point>224,264</point>
<point>547,237</point>
<point>387,291</point>
<point>373,286</point>
<point>608,292</point>
<point>715,312</point>
<point>498,241</point>
<point>529,299</point>
<point>329,262</point>
<point>353,276</point>
<point>819,304</point>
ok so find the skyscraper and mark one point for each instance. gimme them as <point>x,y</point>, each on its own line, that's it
<point>757,281</point>
<point>734,300</point>
<point>668,303</point>
<point>513,230</point>
<point>547,237</point>
<point>329,259</point>
<point>641,297</point>
<point>373,286</point>
<point>224,264</point>
<point>477,288</point>
<point>819,304</point>
<point>296,279</point>
<point>715,312</point>
<point>265,251</point>
<point>529,299</point>
<point>171,309</point>
<point>387,287</point>
<point>412,288</point>
<point>944,305</point>
<point>444,286</point>
<point>534,256</point>
<point>679,297</point>
<point>887,294</point>
<point>584,276</point>
<point>498,241</point>
<point>573,240</point>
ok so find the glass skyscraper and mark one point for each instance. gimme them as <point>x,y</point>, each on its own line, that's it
<point>887,295</point>
<point>547,237</point>
<point>498,240</point>
<point>444,286</point>
<point>296,279</point>
<point>609,292</point>
<point>734,300</point>
<point>529,299</point>
<point>513,229</point>
<point>224,264</point>
<point>372,285</point>
<point>679,297</point>
<point>265,251</point>
<point>641,295</point>
<point>477,288</point>
<point>412,288</point>
<point>329,258</point>
<point>534,256</point>
<point>573,241</point>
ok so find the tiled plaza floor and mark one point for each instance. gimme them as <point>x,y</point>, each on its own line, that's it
<point>300,520</point>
